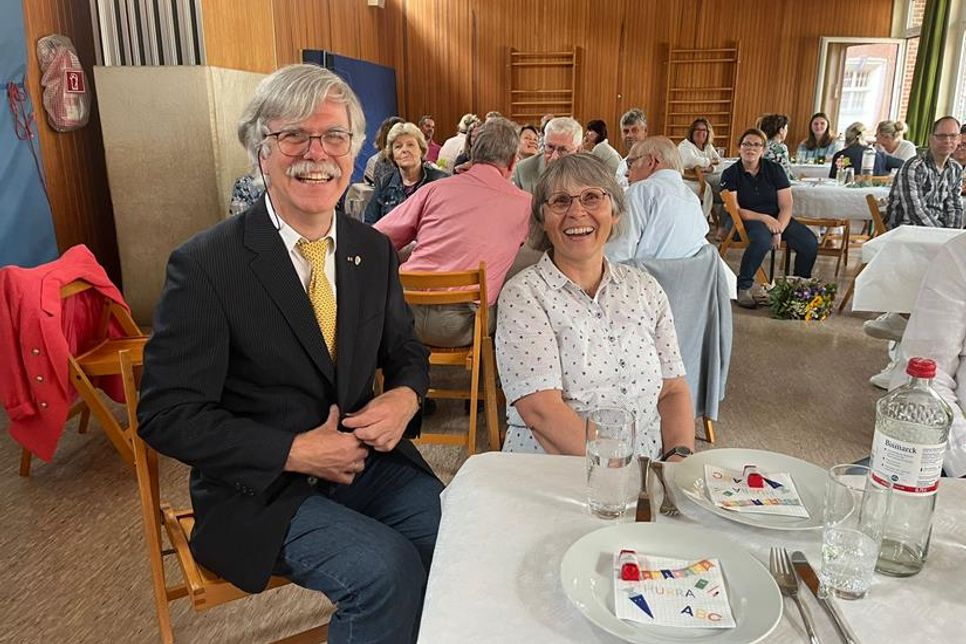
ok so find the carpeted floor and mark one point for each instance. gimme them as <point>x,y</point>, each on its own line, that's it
<point>72,563</point>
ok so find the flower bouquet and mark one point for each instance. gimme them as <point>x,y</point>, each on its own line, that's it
<point>794,298</point>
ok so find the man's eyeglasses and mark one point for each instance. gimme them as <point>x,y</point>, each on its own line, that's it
<point>947,137</point>
<point>752,144</point>
<point>590,198</point>
<point>335,143</point>
<point>561,150</point>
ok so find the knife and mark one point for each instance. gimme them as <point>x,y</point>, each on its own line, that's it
<point>805,571</point>
<point>644,498</point>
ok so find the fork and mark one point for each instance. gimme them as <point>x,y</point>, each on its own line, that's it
<point>668,508</point>
<point>785,576</point>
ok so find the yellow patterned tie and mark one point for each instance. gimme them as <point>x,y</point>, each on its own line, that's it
<point>320,291</point>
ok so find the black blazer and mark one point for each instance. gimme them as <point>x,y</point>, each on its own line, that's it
<point>237,366</point>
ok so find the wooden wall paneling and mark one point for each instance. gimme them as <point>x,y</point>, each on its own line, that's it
<point>239,34</point>
<point>74,166</point>
<point>438,62</point>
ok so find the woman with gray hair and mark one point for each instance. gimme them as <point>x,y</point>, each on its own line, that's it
<point>855,147</point>
<point>406,149</point>
<point>576,332</point>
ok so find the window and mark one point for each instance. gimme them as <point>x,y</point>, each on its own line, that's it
<point>860,80</point>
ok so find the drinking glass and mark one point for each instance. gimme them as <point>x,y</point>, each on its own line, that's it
<point>855,513</point>
<point>613,479</point>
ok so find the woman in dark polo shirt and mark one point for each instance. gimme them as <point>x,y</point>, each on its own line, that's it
<point>765,204</point>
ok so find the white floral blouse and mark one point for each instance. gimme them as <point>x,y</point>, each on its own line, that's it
<point>614,349</point>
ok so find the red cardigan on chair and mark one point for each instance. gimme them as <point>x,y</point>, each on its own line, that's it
<point>38,331</point>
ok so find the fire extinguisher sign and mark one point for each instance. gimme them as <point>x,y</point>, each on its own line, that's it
<point>74,81</point>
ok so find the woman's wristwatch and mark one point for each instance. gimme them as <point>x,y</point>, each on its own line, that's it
<point>680,450</point>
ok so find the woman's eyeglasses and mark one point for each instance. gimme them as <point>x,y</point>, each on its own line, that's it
<point>752,144</point>
<point>590,199</point>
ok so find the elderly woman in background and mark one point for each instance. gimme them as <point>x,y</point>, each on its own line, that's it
<point>821,143</point>
<point>379,164</point>
<point>697,150</point>
<point>888,139</point>
<point>596,143</point>
<point>855,147</point>
<point>576,332</point>
<point>775,127</point>
<point>529,142</point>
<point>765,206</point>
<point>462,161</point>
<point>406,149</point>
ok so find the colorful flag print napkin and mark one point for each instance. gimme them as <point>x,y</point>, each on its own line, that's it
<point>671,592</point>
<point>727,489</point>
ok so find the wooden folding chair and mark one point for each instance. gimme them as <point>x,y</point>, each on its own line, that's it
<point>204,588</point>
<point>460,287</point>
<point>830,243</point>
<point>729,242</point>
<point>878,228</point>
<point>100,360</point>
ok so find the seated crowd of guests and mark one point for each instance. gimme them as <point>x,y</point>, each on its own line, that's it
<point>300,468</point>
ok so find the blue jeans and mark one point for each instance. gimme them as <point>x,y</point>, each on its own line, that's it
<point>798,237</point>
<point>368,547</point>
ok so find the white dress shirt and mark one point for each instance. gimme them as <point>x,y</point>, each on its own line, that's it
<point>290,238</point>
<point>664,220</point>
<point>937,330</point>
<point>621,175</point>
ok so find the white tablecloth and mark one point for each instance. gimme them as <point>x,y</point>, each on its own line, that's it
<point>811,170</point>
<point>799,170</point>
<point>509,518</point>
<point>896,263</point>
<point>832,200</point>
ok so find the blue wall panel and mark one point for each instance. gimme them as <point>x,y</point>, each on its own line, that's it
<point>26,230</point>
<point>375,86</point>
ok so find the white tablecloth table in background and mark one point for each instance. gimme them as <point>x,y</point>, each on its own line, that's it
<point>896,263</point>
<point>800,170</point>
<point>812,199</point>
<point>811,170</point>
<point>509,518</point>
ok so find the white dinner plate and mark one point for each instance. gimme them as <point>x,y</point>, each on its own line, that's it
<point>587,569</point>
<point>809,481</point>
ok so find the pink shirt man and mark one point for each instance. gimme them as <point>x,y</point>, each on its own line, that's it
<point>460,221</point>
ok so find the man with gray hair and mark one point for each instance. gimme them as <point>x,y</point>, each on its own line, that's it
<point>561,136</point>
<point>458,222</point>
<point>633,130</point>
<point>664,219</point>
<point>260,372</point>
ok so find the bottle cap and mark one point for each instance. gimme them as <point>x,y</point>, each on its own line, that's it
<point>921,368</point>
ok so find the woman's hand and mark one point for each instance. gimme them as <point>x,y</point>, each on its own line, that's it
<point>776,241</point>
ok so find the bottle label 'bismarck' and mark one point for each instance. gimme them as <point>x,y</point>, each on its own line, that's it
<point>913,468</point>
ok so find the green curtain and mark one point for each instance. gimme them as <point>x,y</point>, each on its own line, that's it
<point>924,94</point>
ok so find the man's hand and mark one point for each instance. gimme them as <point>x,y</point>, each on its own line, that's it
<point>327,453</point>
<point>381,423</point>
<point>774,226</point>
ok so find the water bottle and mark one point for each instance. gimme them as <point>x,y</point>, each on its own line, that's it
<point>868,161</point>
<point>911,431</point>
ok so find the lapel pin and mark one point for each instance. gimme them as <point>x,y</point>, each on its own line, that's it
<point>354,259</point>
<point>358,260</point>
